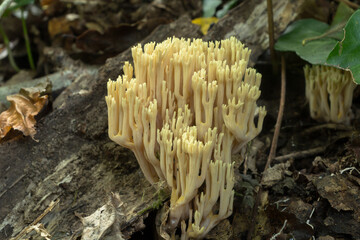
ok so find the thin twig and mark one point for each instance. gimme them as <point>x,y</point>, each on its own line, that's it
<point>279,117</point>
<point>334,126</point>
<point>271,35</point>
<point>350,169</point>
<point>281,230</point>
<point>350,4</point>
<point>301,154</point>
<point>4,5</point>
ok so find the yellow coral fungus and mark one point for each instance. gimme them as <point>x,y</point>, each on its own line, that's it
<point>329,91</point>
<point>190,105</point>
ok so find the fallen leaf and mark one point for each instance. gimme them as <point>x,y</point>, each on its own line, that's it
<point>98,223</point>
<point>276,173</point>
<point>64,25</point>
<point>300,209</point>
<point>24,106</point>
<point>341,193</point>
<point>205,23</point>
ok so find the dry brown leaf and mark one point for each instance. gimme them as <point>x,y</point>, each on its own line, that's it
<point>24,106</point>
<point>64,25</point>
<point>274,174</point>
<point>342,192</point>
<point>99,223</point>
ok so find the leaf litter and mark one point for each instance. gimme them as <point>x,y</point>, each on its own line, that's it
<point>24,106</point>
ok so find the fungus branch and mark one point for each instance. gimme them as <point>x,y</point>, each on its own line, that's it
<point>190,105</point>
<point>329,91</point>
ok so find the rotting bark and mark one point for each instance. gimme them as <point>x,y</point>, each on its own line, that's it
<point>248,22</point>
<point>74,160</point>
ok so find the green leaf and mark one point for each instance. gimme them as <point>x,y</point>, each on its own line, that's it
<point>313,51</point>
<point>313,40</point>
<point>209,7</point>
<point>346,53</point>
<point>342,15</point>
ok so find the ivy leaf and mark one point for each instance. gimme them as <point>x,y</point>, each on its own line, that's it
<point>313,51</point>
<point>313,40</point>
<point>342,15</point>
<point>346,53</point>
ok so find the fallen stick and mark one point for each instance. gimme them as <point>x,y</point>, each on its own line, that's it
<point>300,154</point>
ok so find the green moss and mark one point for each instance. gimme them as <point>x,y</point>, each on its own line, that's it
<point>162,195</point>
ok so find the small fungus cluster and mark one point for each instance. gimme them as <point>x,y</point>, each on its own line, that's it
<point>329,91</point>
<point>189,107</point>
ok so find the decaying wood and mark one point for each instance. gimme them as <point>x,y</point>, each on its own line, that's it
<point>36,221</point>
<point>69,71</point>
<point>248,22</point>
<point>74,160</point>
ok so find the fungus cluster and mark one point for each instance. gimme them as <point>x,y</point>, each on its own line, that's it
<point>189,107</point>
<point>329,91</point>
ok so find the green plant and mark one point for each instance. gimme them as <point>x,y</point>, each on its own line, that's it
<point>162,195</point>
<point>5,10</point>
<point>7,45</point>
<point>337,44</point>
